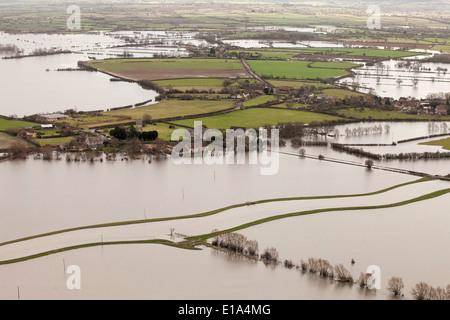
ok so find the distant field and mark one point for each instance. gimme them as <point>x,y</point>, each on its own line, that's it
<point>287,53</point>
<point>341,93</point>
<point>15,124</point>
<point>369,114</point>
<point>445,143</point>
<point>298,84</point>
<point>298,69</point>
<point>189,82</point>
<point>88,121</point>
<point>259,100</point>
<point>270,53</point>
<point>443,48</point>
<point>253,118</point>
<point>333,65</point>
<point>174,108</point>
<point>53,141</point>
<point>164,69</point>
<point>164,132</point>
<point>199,88</point>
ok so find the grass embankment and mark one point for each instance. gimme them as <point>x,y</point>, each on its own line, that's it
<point>181,245</point>
<point>444,143</point>
<point>310,212</point>
<point>210,213</point>
<point>300,69</point>
<point>375,114</point>
<point>196,240</point>
<point>254,118</point>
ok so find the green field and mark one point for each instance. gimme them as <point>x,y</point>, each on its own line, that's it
<point>334,65</point>
<point>114,65</point>
<point>299,69</point>
<point>375,114</point>
<point>53,141</point>
<point>174,108</point>
<point>341,93</point>
<point>189,82</point>
<point>164,130</point>
<point>258,101</point>
<point>299,84</point>
<point>15,124</point>
<point>444,143</point>
<point>254,118</point>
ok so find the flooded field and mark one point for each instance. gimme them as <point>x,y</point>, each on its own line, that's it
<point>45,196</point>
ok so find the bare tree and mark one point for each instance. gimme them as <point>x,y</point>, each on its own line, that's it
<point>303,265</point>
<point>18,150</point>
<point>421,291</point>
<point>313,265</point>
<point>288,264</point>
<point>47,153</point>
<point>270,255</point>
<point>252,247</point>
<point>146,118</point>
<point>395,285</point>
<point>438,294</point>
<point>341,274</point>
<point>325,268</point>
<point>301,152</point>
<point>369,164</point>
<point>362,280</point>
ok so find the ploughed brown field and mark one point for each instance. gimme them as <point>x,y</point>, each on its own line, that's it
<point>166,69</point>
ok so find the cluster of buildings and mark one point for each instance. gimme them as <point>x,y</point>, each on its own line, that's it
<point>424,106</point>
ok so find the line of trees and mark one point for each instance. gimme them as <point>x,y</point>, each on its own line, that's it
<point>238,243</point>
<point>130,133</point>
<point>235,242</point>
<point>423,291</point>
<point>390,156</point>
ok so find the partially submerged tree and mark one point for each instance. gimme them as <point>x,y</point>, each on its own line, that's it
<point>341,274</point>
<point>421,291</point>
<point>18,150</point>
<point>395,285</point>
<point>369,164</point>
<point>270,255</point>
